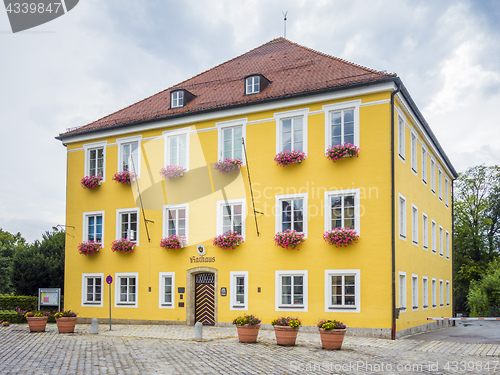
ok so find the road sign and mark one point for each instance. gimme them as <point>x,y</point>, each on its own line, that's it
<point>109,279</point>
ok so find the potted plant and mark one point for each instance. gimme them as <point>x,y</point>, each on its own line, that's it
<point>228,240</point>
<point>91,182</point>
<point>285,158</point>
<point>173,241</point>
<point>89,248</point>
<point>289,239</point>
<point>286,329</point>
<point>228,165</point>
<point>248,328</point>
<point>36,321</point>
<point>341,237</point>
<point>337,152</point>
<point>125,177</point>
<point>172,171</point>
<point>332,334</point>
<point>66,321</point>
<point>123,245</point>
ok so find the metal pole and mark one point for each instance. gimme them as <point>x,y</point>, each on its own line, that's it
<point>109,306</point>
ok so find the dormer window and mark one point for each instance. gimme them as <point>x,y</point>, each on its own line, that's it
<point>177,99</point>
<point>255,83</point>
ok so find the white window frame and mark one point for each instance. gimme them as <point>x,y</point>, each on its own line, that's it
<point>433,175</point>
<point>119,213</point>
<point>118,277</point>
<point>94,146</point>
<point>122,141</point>
<point>447,244</point>
<point>162,303</point>
<point>168,207</point>
<point>177,99</point>
<point>424,165</point>
<point>328,109</point>
<point>278,216</point>
<point>414,148</point>
<point>280,116</point>
<point>85,232</point>
<point>401,136</point>
<point>402,291</point>
<point>425,292</point>
<point>233,304</point>
<point>414,224</point>
<point>221,126</point>
<point>85,277</point>
<point>441,247</point>
<point>357,207</point>
<point>440,184</point>
<point>425,231</point>
<point>446,191</point>
<point>441,293</point>
<point>278,305</point>
<point>176,133</point>
<point>232,202</point>
<point>250,83</point>
<point>433,236</point>
<point>447,293</point>
<point>402,216</point>
<point>433,293</point>
<point>414,292</point>
<point>328,290</point>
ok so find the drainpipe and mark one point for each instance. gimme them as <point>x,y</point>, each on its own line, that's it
<point>393,204</point>
<point>452,252</point>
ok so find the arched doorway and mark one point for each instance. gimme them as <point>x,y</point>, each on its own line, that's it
<point>201,296</point>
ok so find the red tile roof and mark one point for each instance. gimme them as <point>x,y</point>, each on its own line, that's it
<point>291,68</point>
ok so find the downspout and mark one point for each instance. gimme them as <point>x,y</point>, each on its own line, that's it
<point>454,312</point>
<point>393,207</point>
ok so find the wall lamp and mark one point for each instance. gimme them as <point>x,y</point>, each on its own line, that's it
<point>60,226</point>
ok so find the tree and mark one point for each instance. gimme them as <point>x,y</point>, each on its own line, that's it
<point>476,227</point>
<point>484,295</point>
<point>9,244</point>
<point>40,265</point>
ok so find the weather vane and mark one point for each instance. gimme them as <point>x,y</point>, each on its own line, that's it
<point>284,19</point>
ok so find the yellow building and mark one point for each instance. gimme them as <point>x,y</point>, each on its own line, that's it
<point>280,99</point>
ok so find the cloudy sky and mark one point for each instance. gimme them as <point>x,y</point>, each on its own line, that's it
<point>105,55</point>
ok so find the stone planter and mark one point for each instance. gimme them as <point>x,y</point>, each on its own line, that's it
<point>332,339</point>
<point>37,323</point>
<point>248,333</point>
<point>66,324</point>
<point>285,335</point>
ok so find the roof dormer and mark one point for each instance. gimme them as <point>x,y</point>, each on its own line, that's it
<point>180,98</point>
<point>255,84</point>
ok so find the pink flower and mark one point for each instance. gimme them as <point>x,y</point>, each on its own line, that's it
<point>289,239</point>
<point>172,171</point>
<point>228,165</point>
<point>90,182</point>
<point>338,152</point>
<point>173,242</point>
<point>341,237</point>
<point>285,158</point>
<point>228,240</point>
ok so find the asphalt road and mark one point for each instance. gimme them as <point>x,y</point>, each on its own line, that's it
<point>480,332</point>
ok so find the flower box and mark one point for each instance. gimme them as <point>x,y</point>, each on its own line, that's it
<point>289,239</point>
<point>341,237</point>
<point>125,177</point>
<point>89,248</point>
<point>123,245</point>
<point>228,165</point>
<point>90,182</point>
<point>285,158</point>
<point>172,171</point>
<point>337,152</point>
<point>173,242</point>
<point>228,240</point>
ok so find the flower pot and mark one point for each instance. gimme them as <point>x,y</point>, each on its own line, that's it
<point>332,339</point>
<point>285,335</point>
<point>37,323</point>
<point>248,333</point>
<point>66,324</point>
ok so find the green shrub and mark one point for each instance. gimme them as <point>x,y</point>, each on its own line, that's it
<point>11,316</point>
<point>23,302</point>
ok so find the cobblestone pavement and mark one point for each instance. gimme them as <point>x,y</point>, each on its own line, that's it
<point>142,349</point>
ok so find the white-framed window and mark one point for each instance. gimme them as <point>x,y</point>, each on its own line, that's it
<point>440,184</point>
<point>291,213</point>
<point>433,236</point>
<point>414,224</point>
<point>238,290</point>
<point>446,191</point>
<point>176,220</point>
<point>342,290</point>
<point>425,231</point>
<point>93,226</point>
<point>231,216</point>
<point>433,175</point>
<point>433,292</point>
<point>414,141</point>
<point>95,159</point>
<point>342,123</point>
<point>291,130</point>
<point>402,217</point>
<point>129,154</point>
<point>126,287</point>
<point>425,293</point>
<point>424,165</point>
<point>414,292</point>
<point>401,137</point>
<point>177,99</point>
<point>447,293</point>
<point>167,290</point>
<point>177,147</point>
<point>441,293</point>
<point>441,241</point>
<point>127,224</point>
<point>231,134</point>
<point>447,235</point>
<point>402,291</point>
<point>342,209</point>
<point>291,290</point>
<point>92,289</point>
<point>252,85</point>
